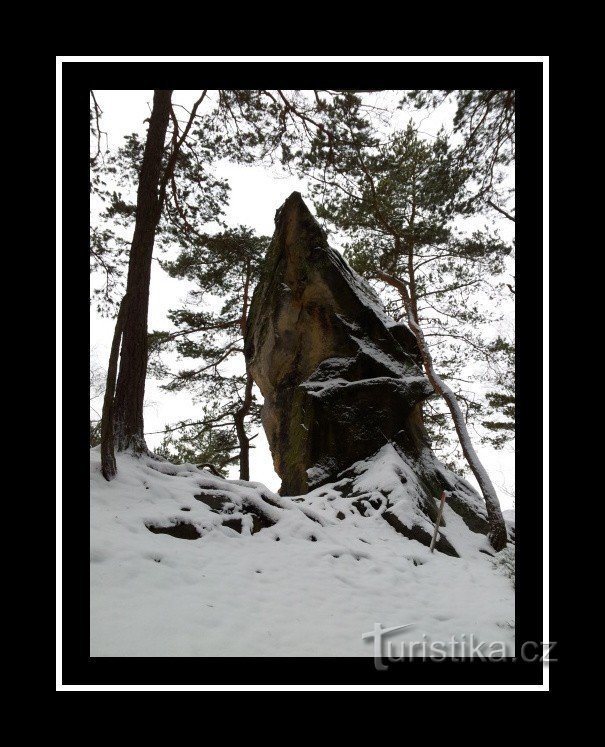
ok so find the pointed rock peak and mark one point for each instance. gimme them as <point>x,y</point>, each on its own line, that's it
<point>293,204</point>
<point>296,225</point>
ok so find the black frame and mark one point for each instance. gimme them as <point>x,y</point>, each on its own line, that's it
<point>526,79</point>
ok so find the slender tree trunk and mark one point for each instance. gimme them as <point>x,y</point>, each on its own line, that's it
<point>108,459</point>
<point>242,437</point>
<point>242,412</point>
<point>497,535</point>
<point>130,389</point>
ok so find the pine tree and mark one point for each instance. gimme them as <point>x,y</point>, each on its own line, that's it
<point>485,122</point>
<point>163,175</point>
<point>224,268</point>
<point>399,203</point>
<point>123,408</point>
<point>499,418</point>
<point>199,445</point>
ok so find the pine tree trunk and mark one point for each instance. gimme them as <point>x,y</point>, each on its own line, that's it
<point>130,388</point>
<point>108,459</point>
<point>497,535</point>
<point>242,437</point>
<point>242,413</point>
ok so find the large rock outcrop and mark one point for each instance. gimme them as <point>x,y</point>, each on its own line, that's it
<point>339,378</point>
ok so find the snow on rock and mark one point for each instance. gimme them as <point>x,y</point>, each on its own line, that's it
<point>184,563</point>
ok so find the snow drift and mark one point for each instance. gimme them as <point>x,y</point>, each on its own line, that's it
<point>184,563</point>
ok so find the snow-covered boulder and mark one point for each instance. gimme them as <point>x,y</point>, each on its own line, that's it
<point>340,379</point>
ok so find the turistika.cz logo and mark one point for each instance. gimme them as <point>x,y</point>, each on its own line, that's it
<point>457,648</point>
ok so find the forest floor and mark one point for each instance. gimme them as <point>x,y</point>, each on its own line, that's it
<point>296,588</point>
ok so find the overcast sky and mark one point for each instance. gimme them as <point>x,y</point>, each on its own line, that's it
<point>256,193</point>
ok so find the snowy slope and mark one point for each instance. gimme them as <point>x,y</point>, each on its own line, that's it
<point>284,577</point>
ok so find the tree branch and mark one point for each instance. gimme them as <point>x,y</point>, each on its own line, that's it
<point>501,210</point>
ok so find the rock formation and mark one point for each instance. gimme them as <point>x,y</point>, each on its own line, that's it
<point>340,380</point>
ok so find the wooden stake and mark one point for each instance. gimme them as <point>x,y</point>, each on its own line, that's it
<point>439,514</point>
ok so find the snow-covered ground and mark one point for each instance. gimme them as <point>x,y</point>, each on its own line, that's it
<point>309,584</point>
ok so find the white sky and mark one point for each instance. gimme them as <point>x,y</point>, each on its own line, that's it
<point>256,193</point>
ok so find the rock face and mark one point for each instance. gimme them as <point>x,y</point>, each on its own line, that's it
<point>339,378</point>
